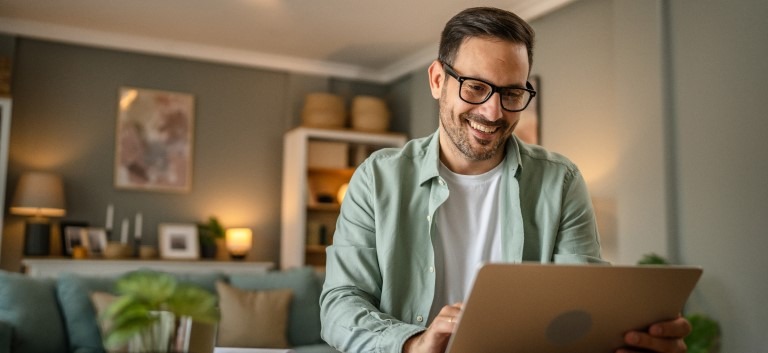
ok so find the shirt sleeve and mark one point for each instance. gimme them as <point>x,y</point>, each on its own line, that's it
<point>578,240</point>
<point>351,319</point>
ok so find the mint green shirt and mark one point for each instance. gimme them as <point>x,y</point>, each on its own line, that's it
<point>380,271</point>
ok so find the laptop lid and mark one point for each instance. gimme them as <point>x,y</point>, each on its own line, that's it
<point>567,308</point>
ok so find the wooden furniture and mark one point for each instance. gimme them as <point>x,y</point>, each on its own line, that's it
<point>316,163</point>
<point>53,267</point>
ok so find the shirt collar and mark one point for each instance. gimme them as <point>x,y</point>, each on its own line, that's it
<point>432,160</point>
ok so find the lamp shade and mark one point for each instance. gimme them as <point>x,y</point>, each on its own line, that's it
<point>39,194</point>
<point>239,241</point>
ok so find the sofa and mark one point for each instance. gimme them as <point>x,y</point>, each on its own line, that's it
<point>46,315</point>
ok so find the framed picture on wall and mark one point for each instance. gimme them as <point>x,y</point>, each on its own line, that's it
<point>529,127</point>
<point>178,241</point>
<point>154,140</point>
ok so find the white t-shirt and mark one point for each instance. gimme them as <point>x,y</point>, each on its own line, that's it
<point>468,233</point>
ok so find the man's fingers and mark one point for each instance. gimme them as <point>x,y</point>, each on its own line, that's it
<point>653,343</point>
<point>676,328</point>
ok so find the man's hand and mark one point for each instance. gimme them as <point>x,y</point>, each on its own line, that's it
<point>662,337</point>
<point>435,338</point>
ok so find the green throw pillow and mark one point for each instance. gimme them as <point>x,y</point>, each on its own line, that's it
<point>29,305</point>
<point>304,317</point>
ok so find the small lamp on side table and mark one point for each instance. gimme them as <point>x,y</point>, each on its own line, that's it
<point>239,242</point>
<point>39,195</point>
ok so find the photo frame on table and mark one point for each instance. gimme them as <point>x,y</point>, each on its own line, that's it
<point>68,231</point>
<point>178,241</point>
<point>154,140</point>
<point>94,240</point>
<point>529,127</point>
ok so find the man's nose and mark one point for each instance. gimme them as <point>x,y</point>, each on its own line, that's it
<point>491,108</point>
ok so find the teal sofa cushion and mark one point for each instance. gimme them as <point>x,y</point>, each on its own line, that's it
<point>74,293</point>
<point>30,306</point>
<point>304,317</point>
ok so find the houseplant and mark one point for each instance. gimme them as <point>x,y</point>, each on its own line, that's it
<point>207,233</point>
<point>705,334</point>
<point>154,312</point>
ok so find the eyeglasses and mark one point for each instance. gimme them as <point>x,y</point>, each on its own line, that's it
<point>476,91</point>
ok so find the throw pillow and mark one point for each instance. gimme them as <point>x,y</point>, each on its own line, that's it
<point>304,317</point>
<point>253,319</point>
<point>78,310</point>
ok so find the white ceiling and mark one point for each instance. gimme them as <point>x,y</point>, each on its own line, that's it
<point>369,40</point>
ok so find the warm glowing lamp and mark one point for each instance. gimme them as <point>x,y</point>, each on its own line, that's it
<point>342,192</point>
<point>39,195</point>
<point>239,242</point>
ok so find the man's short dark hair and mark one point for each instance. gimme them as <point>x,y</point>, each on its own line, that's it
<point>486,22</point>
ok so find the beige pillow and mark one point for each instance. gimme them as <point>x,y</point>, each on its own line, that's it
<point>253,319</point>
<point>101,301</point>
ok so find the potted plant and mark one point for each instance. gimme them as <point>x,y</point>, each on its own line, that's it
<point>154,313</point>
<point>705,334</point>
<point>207,233</point>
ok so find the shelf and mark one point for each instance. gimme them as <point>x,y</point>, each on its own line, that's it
<point>315,249</point>
<point>304,182</point>
<point>325,207</point>
<point>341,172</point>
<point>53,267</point>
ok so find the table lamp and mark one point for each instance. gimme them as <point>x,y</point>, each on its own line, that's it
<point>39,195</point>
<point>239,242</point>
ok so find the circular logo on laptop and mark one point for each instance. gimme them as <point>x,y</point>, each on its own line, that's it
<point>569,327</point>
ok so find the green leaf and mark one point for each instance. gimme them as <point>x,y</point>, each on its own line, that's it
<point>152,287</point>
<point>194,302</point>
<point>653,259</point>
<point>705,336</point>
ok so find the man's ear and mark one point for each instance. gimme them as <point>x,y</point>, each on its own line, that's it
<point>436,78</point>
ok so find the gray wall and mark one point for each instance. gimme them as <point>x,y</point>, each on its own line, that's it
<point>687,80</point>
<point>719,94</point>
<point>65,105</point>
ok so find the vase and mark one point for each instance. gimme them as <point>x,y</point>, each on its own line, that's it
<point>167,334</point>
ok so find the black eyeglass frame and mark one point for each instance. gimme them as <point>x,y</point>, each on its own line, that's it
<point>451,72</point>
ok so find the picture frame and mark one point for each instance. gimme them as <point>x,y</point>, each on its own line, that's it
<point>528,128</point>
<point>178,241</point>
<point>73,237</point>
<point>94,240</point>
<point>154,140</point>
<point>70,227</point>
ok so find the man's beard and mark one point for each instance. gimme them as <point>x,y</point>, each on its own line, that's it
<point>457,132</point>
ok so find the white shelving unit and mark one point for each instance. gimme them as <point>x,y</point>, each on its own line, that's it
<point>5,130</point>
<point>297,175</point>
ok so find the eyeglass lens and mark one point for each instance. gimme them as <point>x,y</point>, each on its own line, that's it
<point>474,91</point>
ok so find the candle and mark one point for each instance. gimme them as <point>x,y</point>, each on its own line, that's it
<point>110,214</point>
<point>137,225</point>
<point>124,232</point>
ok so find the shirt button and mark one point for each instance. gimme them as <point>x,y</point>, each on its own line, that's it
<point>419,318</point>
<point>441,181</point>
<point>429,218</point>
<point>431,269</point>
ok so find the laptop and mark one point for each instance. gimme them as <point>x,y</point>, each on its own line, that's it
<point>567,308</point>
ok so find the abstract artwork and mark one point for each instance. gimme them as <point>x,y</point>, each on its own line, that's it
<point>154,140</point>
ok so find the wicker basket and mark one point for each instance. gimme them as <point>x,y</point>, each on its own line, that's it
<point>323,110</point>
<point>370,114</point>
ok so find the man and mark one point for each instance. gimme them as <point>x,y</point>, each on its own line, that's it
<point>416,221</point>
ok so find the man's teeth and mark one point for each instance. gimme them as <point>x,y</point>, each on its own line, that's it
<point>485,129</point>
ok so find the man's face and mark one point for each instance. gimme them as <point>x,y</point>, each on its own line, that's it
<point>477,132</point>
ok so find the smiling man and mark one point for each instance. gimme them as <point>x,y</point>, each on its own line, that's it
<point>417,221</point>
